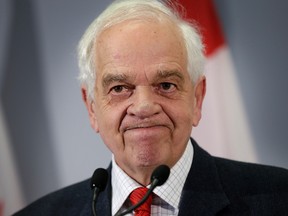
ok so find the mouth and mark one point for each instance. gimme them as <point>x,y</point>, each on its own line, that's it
<point>142,126</point>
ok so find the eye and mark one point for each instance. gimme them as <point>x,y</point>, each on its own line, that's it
<point>120,90</point>
<point>167,87</point>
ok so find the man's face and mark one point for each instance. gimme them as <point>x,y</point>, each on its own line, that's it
<point>145,105</point>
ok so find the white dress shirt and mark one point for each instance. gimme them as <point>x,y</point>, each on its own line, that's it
<point>167,197</point>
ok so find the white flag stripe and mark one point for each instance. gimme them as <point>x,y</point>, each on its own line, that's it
<point>224,129</point>
<point>10,193</point>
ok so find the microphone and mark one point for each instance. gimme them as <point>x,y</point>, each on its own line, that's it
<point>98,184</point>
<point>158,178</point>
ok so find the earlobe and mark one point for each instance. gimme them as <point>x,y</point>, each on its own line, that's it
<point>199,94</point>
<point>90,106</point>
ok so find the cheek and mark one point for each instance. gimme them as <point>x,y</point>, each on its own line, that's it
<point>180,113</point>
<point>109,120</point>
<point>184,121</point>
<point>109,131</point>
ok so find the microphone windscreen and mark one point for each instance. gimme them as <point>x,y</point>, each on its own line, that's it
<point>161,173</point>
<point>99,179</point>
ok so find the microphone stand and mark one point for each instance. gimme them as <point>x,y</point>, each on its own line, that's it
<point>94,200</point>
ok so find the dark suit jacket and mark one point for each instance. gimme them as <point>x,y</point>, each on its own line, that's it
<point>214,186</point>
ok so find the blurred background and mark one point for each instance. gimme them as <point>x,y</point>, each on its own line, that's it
<point>44,122</point>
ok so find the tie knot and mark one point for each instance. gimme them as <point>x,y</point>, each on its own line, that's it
<point>136,196</point>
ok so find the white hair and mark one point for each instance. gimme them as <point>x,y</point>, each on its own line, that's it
<point>123,10</point>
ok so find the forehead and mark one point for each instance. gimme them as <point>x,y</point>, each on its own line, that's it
<point>144,36</point>
<point>163,23</point>
<point>140,47</point>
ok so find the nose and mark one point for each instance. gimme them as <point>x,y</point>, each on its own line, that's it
<point>144,103</point>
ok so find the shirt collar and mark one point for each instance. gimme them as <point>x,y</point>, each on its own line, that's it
<point>172,189</point>
<point>170,192</point>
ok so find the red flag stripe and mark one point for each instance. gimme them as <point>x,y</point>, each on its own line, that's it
<point>1,208</point>
<point>204,13</point>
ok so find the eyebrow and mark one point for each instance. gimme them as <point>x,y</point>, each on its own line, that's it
<point>110,78</point>
<point>162,74</point>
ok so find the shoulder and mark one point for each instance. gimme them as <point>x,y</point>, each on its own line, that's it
<point>244,178</point>
<point>70,200</point>
<point>263,189</point>
<point>252,179</point>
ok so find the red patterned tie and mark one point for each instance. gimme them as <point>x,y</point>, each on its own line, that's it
<point>136,196</point>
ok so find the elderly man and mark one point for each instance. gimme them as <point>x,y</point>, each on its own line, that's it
<point>143,85</point>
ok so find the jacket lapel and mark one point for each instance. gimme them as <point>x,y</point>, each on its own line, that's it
<point>202,193</point>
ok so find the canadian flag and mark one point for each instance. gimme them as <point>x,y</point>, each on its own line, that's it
<point>10,193</point>
<point>224,129</point>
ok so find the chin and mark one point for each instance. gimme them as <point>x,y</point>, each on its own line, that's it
<point>149,160</point>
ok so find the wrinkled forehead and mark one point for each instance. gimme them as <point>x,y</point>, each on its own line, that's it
<point>152,26</point>
<point>137,30</point>
<point>142,37</point>
<point>140,50</point>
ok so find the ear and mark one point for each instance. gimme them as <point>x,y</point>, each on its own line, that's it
<point>90,105</point>
<point>199,93</point>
